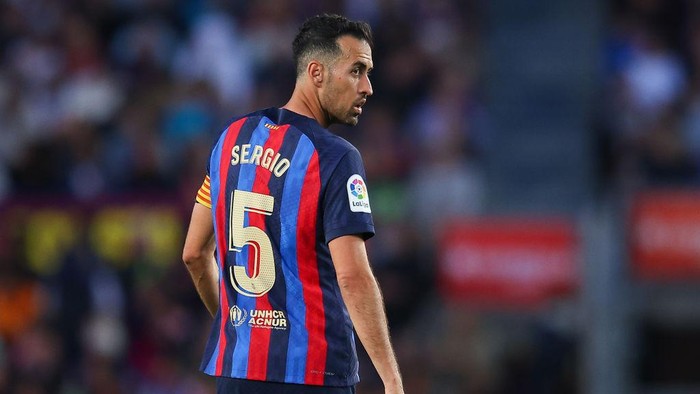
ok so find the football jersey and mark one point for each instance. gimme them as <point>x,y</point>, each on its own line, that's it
<point>281,187</point>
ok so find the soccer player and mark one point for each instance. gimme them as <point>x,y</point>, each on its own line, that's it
<point>275,246</point>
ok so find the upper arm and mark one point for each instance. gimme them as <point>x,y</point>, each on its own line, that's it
<point>200,234</point>
<point>349,257</point>
<point>346,208</point>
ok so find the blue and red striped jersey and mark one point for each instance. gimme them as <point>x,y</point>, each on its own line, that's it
<point>280,188</point>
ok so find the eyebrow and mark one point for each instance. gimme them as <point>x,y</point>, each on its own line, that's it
<point>362,65</point>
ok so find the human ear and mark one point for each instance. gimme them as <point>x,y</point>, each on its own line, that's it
<point>315,71</point>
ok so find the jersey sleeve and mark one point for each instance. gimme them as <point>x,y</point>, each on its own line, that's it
<point>204,193</point>
<point>346,208</point>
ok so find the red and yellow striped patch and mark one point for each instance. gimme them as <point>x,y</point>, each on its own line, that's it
<point>204,193</point>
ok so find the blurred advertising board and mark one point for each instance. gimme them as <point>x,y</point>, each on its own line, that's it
<point>664,235</point>
<point>508,262</point>
<point>120,232</point>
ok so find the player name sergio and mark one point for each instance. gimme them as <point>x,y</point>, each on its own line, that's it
<point>258,155</point>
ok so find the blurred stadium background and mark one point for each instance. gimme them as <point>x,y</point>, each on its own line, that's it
<point>534,169</point>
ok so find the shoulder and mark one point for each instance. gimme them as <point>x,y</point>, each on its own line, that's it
<point>334,153</point>
<point>325,140</point>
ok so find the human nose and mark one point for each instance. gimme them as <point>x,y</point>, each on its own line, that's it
<point>366,86</point>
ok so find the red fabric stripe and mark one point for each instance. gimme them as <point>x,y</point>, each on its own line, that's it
<point>221,222</point>
<point>308,273</point>
<point>260,337</point>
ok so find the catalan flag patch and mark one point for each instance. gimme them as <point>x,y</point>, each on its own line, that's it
<point>204,193</point>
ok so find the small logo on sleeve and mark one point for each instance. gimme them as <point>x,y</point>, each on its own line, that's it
<point>357,195</point>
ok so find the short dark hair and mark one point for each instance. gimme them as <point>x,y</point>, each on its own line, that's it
<point>319,35</point>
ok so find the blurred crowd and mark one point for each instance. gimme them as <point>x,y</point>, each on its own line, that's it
<point>104,98</point>
<point>649,123</point>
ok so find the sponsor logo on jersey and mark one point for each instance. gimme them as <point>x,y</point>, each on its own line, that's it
<point>266,318</point>
<point>357,194</point>
<point>258,318</point>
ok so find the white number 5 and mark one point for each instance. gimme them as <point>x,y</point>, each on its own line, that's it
<point>262,277</point>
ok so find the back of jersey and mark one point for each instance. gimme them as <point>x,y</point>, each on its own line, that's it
<point>281,317</point>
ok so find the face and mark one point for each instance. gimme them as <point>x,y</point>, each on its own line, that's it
<point>347,84</point>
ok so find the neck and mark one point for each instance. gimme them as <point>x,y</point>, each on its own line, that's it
<point>305,102</point>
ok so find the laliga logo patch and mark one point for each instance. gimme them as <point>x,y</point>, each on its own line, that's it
<point>358,189</point>
<point>357,194</point>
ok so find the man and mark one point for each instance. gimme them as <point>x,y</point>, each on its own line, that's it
<point>275,246</point>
